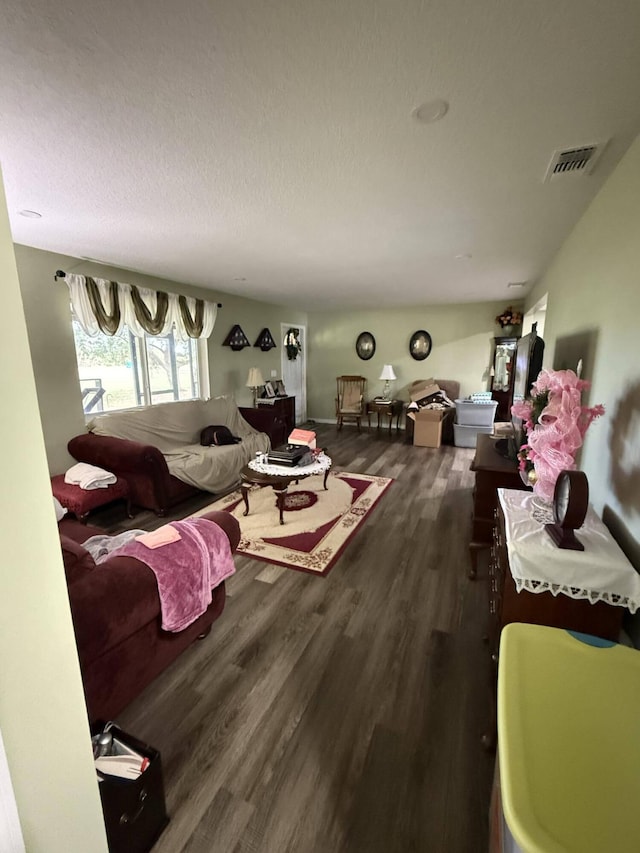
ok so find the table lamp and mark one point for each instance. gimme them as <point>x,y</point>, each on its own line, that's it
<point>254,381</point>
<point>387,374</point>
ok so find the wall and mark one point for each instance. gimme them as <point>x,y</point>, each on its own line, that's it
<point>46,308</point>
<point>593,311</point>
<point>462,338</point>
<point>42,711</point>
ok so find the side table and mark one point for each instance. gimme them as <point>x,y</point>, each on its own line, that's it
<point>80,502</point>
<point>391,408</point>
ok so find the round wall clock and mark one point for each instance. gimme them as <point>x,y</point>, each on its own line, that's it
<point>420,345</point>
<point>570,504</point>
<point>365,345</point>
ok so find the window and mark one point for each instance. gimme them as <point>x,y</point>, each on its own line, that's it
<point>123,371</point>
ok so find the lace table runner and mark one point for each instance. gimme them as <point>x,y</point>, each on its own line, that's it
<point>599,573</point>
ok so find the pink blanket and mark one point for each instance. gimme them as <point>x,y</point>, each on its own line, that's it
<point>187,570</point>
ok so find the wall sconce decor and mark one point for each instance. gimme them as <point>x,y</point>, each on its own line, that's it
<point>265,340</point>
<point>236,339</point>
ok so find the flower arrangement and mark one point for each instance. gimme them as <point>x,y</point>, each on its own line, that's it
<point>509,317</point>
<point>555,422</point>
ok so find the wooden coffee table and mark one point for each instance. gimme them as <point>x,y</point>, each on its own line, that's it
<point>251,475</point>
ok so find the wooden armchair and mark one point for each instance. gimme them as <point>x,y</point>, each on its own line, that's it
<point>350,403</point>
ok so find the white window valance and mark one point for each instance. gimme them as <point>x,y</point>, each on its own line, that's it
<point>103,307</point>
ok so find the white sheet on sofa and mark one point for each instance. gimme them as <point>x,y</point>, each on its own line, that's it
<point>174,428</point>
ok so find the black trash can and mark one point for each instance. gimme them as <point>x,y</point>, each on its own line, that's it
<point>134,809</point>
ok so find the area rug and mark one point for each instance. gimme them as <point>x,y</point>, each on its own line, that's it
<point>318,524</point>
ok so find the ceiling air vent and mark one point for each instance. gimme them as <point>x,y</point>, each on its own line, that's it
<point>573,161</point>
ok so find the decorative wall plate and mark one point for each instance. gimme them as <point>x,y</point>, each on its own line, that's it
<point>265,340</point>
<point>365,345</point>
<point>420,345</point>
<point>236,339</point>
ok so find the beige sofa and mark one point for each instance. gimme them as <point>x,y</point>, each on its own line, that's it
<point>157,450</point>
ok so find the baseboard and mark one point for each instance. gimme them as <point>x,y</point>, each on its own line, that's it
<point>312,421</point>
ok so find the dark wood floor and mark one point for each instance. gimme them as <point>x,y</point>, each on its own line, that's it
<point>340,713</point>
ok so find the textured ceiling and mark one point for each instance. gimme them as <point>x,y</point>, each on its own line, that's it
<point>214,140</point>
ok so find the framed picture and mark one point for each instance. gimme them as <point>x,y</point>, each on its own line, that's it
<point>420,345</point>
<point>279,388</point>
<point>365,345</point>
<point>269,390</point>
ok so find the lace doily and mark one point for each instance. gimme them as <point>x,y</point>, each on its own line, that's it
<point>599,573</point>
<point>576,592</point>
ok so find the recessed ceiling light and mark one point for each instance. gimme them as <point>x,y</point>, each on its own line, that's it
<point>517,284</point>
<point>431,111</point>
<point>240,278</point>
<point>30,214</point>
<point>464,256</point>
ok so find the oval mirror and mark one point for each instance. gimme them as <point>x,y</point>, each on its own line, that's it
<point>365,345</point>
<point>420,345</point>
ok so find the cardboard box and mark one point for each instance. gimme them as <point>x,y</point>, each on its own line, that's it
<point>423,389</point>
<point>503,429</point>
<point>427,427</point>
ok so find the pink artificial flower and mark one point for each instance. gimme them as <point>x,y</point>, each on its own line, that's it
<point>559,433</point>
<point>588,415</point>
<point>523,409</point>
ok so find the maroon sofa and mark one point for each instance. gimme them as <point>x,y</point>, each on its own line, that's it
<point>116,617</point>
<point>144,467</point>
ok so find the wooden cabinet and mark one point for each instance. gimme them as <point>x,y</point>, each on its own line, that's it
<point>285,420</point>
<point>492,472</point>
<point>507,605</point>
<point>503,370</point>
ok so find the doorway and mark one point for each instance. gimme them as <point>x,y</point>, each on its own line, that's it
<point>536,314</point>
<point>294,371</point>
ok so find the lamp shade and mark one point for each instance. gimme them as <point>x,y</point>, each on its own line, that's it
<point>387,372</point>
<point>254,379</point>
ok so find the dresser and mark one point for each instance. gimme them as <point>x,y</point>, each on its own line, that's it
<point>531,580</point>
<point>284,409</point>
<point>493,472</point>
<point>540,565</point>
